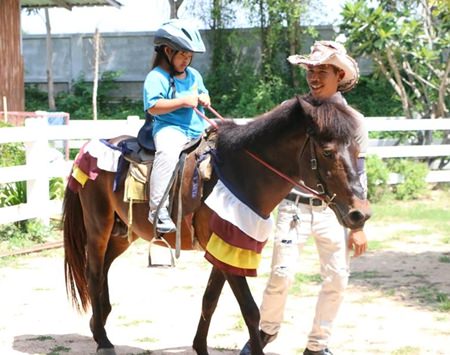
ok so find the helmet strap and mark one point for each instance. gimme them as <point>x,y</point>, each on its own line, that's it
<point>173,72</point>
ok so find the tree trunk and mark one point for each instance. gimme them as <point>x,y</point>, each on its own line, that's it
<point>11,60</point>
<point>294,31</point>
<point>96,45</point>
<point>174,6</point>
<point>264,38</point>
<point>50,85</point>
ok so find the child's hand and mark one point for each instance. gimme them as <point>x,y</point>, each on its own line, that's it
<point>191,101</point>
<point>204,100</point>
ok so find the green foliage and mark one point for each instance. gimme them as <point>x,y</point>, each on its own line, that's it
<point>377,178</point>
<point>78,102</point>
<point>18,234</point>
<point>407,40</point>
<point>13,193</point>
<point>373,96</point>
<point>263,96</point>
<point>35,99</point>
<point>57,187</point>
<point>11,154</point>
<point>239,88</point>
<point>250,74</point>
<point>413,173</point>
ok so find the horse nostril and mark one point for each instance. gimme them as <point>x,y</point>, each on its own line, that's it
<point>356,216</point>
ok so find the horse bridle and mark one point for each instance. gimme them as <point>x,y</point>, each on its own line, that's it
<point>321,193</point>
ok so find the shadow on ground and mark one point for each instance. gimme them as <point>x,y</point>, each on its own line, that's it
<point>75,344</point>
<point>417,279</point>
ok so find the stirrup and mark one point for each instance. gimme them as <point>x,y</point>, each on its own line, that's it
<point>160,238</point>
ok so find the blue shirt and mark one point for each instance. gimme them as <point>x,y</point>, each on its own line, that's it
<point>157,86</point>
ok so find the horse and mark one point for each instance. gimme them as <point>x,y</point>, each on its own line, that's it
<point>261,161</point>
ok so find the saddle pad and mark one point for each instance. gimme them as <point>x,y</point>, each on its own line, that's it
<point>230,208</point>
<point>238,233</point>
<point>136,183</point>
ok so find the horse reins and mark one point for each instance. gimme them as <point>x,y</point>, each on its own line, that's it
<point>322,195</point>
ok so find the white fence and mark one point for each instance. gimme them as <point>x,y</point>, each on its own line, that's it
<point>41,166</point>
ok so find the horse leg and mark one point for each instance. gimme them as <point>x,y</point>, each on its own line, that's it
<point>116,246</point>
<point>98,219</point>
<point>249,310</point>
<point>209,303</point>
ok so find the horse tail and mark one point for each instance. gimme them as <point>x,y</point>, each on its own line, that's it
<point>75,251</point>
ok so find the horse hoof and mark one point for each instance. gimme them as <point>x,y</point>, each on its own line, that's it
<point>106,351</point>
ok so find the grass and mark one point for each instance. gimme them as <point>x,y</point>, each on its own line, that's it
<point>435,298</point>
<point>375,245</point>
<point>41,338</point>
<point>134,323</point>
<point>432,215</point>
<point>301,280</point>
<point>58,350</point>
<point>147,340</point>
<point>444,259</point>
<point>367,298</point>
<point>239,324</point>
<point>364,275</point>
<point>11,261</point>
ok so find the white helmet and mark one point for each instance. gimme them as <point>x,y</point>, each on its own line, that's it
<point>179,35</point>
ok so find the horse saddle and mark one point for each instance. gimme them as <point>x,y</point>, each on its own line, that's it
<point>141,149</point>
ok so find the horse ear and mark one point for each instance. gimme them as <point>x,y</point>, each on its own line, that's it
<point>306,106</point>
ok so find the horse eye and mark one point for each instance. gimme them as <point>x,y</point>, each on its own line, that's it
<point>328,153</point>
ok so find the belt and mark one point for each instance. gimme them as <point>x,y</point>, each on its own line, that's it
<point>312,201</point>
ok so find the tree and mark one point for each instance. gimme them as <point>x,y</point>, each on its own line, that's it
<point>279,24</point>
<point>97,51</point>
<point>408,40</point>
<point>50,84</point>
<point>174,6</point>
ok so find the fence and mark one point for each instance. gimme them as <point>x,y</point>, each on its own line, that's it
<point>38,136</point>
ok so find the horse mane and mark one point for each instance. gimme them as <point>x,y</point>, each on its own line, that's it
<point>326,121</point>
<point>332,121</point>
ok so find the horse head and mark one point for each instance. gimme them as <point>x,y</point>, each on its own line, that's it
<point>304,142</point>
<point>330,154</point>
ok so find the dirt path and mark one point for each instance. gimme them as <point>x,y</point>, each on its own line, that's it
<point>389,307</point>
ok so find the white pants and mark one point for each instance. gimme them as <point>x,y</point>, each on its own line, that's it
<point>330,238</point>
<point>169,143</point>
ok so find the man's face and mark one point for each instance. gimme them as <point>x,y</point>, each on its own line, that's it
<point>323,80</point>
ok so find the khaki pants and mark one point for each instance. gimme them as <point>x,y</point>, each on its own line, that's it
<point>330,239</point>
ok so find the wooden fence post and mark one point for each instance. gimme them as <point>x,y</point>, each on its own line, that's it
<point>37,159</point>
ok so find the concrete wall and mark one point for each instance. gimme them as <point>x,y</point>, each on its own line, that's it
<point>129,53</point>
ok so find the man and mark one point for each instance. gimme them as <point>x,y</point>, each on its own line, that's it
<point>330,71</point>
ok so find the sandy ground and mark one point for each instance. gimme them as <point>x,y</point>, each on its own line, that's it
<point>388,308</point>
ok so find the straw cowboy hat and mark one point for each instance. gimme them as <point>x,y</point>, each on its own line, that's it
<point>330,52</point>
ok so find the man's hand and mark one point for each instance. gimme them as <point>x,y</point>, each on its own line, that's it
<point>357,242</point>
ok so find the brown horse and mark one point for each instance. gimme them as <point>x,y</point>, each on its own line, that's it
<point>300,140</point>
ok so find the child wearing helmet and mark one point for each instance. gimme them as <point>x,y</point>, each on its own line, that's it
<point>171,91</point>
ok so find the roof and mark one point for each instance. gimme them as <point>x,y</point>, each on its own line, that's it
<point>68,4</point>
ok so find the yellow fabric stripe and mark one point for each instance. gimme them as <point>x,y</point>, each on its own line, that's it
<point>79,175</point>
<point>232,255</point>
